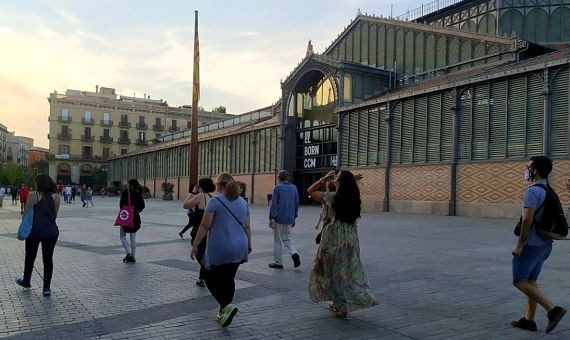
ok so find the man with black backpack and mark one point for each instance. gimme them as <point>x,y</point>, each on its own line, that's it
<point>540,220</point>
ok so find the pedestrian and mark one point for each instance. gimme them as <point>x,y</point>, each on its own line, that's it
<point>338,275</point>
<point>227,223</point>
<point>324,216</point>
<point>84,195</point>
<point>532,249</point>
<point>14,194</point>
<point>2,193</point>
<point>45,202</point>
<point>23,193</point>
<point>73,192</point>
<point>201,195</point>
<point>282,214</point>
<point>136,199</point>
<point>89,197</point>
<point>67,194</point>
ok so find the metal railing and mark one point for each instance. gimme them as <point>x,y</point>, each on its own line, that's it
<point>141,142</point>
<point>123,124</point>
<point>85,138</point>
<point>426,9</point>
<point>142,126</point>
<point>64,136</point>
<point>106,139</point>
<point>106,122</point>
<point>158,127</point>
<point>88,121</point>
<point>125,141</point>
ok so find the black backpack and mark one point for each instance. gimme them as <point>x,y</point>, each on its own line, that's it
<point>553,225</point>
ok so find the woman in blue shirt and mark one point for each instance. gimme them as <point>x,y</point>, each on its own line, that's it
<point>227,224</point>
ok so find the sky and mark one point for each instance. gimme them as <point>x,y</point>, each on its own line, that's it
<point>146,47</point>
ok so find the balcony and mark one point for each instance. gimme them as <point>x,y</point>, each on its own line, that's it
<point>158,128</point>
<point>106,122</point>
<point>142,126</point>
<point>87,156</point>
<point>141,142</point>
<point>173,128</point>
<point>87,121</point>
<point>125,141</point>
<point>124,124</point>
<point>88,139</point>
<point>64,136</point>
<point>64,119</point>
<point>106,139</point>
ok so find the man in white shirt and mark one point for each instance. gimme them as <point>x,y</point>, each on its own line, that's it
<point>2,193</point>
<point>68,194</point>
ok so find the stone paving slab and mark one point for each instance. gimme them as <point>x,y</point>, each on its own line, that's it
<point>436,278</point>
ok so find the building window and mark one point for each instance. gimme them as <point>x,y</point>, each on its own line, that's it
<point>87,116</point>
<point>141,120</point>
<point>106,117</point>
<point>157,122</point>
<point>87,132</point>
<point>65,115</point>
<point>64,130</point>
<point>142,136</point>
<point>106,133</point>
<point>124,135</point>
<point>105,153</point>
<point>64,149</point>
<point>124,151</point>
<point>174,124</point>
<point>87,152</point>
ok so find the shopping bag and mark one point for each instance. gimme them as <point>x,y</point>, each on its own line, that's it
<point>126,216</point>
<point>26,225</point>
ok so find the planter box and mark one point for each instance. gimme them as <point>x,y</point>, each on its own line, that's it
<point>168,197</point>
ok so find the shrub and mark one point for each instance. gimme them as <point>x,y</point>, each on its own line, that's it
<point>167,188</point>
<point>242,187</point>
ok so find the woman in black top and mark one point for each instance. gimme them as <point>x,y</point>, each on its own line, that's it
<point>202,193</point>
<point>45,202</point>
<point>138,202</point>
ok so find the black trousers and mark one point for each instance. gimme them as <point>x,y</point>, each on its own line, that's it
<point>188,226</point>
<point>200,256</point>
<point>220,282</point>
<point>48,246</point>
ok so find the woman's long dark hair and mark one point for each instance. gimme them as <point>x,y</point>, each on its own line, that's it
<point>346,204</point>
<point>45,184</point>
<point>134,185</point>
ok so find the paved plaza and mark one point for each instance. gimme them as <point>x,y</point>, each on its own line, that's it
<point>436,278</point>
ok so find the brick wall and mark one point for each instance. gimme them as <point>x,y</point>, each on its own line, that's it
<point>264,184</point>
<point>421,183</point>
<point>371,188</point>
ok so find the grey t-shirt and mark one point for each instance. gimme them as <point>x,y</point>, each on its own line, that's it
<point>533,198</point>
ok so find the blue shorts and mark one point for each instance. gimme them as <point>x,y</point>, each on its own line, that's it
<point>528,265</point>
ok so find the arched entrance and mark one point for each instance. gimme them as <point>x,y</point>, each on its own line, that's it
<point>63,173</point>
<point>86,175</point>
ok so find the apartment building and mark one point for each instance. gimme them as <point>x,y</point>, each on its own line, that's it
<point>86,128</point>
<point>17,149</point>
<point>3,144</point>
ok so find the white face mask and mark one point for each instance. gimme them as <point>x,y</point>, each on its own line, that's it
<point>528,175</point>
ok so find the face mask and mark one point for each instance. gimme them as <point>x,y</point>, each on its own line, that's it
<point>529,175</point>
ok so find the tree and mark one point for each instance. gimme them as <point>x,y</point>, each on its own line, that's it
<point>40,167</point>
<point>220,109</point>
<point>99,178</point>
<point>12,174</point>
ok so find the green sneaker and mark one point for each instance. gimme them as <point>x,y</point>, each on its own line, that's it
<point>219,317</point>
<point>229,312</point>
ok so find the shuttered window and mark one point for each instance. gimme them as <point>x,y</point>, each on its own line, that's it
<point>400,52</point>
<point>390,50</point>
<point>434,127</point>
<point>373,132</point>
<point>382,134</point>
<point>453,53</point>
<point>381,55</point>
<point>560,112</point>
<point>498,120</point>
<point>478,52</point>
<point>465,53</point>
<point>535,115</point>
<point>480,121</point>
<point>441,51</point>
<point>353,139</point>
<point>344,145</point>
<point>361,151</point>
<point>408,131</point>
<point>446,126</point>
<point>420,129</point>
<point>516,119</point>
<point>464,143</point>
<point>373,42</point>
<point>409,59</point>
<point>342,50</point>
<point>396,133</point>
<point>357,47</point>
<point>349,46</point>
<point>420,50</point>
<point>430,53</point>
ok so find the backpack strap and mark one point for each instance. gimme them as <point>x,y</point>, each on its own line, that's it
<point>545,188</point>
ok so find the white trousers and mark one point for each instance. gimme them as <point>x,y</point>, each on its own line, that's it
<point>133,246</point>
<point>282,237</point>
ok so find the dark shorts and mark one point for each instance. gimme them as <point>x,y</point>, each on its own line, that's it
<point>528,265</point>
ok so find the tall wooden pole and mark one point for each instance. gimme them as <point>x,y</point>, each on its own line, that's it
<point>193,150</point>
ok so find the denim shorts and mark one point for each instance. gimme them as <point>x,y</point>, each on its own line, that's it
<point>528,265</point>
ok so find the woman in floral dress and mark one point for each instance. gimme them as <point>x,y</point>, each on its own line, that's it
<point>338,276</point>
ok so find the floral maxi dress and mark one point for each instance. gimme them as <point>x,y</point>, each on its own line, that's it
<point>337,274</point>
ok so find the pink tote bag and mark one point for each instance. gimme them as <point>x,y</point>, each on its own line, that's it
<point>126,216</point>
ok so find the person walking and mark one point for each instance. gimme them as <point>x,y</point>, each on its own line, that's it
<point>201,195</point>
<point>338,275</point>
<point>2,193</point>
<point>14,194</point>
<point>89,197</point>
<point>67,194</point>
<point>73,192</point>
<point>135,191</point>
<point>227,223</point>
<point>282,214</point>
<point>45,202</point>
<point>84,195</point>
<point>532,249</point>
<point>23,193</point>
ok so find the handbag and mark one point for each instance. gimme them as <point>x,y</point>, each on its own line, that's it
<point>26,225</point>
<point>126,216</point>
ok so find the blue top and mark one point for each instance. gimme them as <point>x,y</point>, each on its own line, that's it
<point>44,225</point>
<point>284,203</point>
<point>533,198</point>
<point>227,240</point>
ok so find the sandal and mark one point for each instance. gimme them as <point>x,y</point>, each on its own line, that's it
<point>333,307</point>
<point>342,315</point>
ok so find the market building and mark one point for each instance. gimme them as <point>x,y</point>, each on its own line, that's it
<point>439,112</point>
